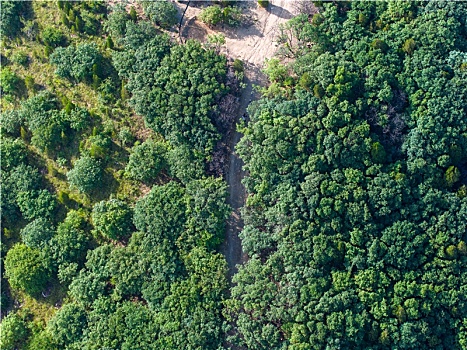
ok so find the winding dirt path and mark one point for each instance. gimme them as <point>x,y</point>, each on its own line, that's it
<point>252,43</point>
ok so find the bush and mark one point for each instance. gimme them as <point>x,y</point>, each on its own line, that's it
<point>409,46</point>
<point>86,174</point>
<point>9,82</point>
<point>211,15</point>
<point>13,332</point>
<point>37,233</point>
<point>66,327</point>
<point>20,58</point>
<point>112,219</point>
<point>77,63</point>
<point>162,13</point>
<point>146,161</point>
<point>25,270</point>
<point>36,204</point>
<point>13,153</point>
<point>53,37</point>
<point>263,3</point>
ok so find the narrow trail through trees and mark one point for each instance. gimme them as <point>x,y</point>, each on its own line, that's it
<point>252,43</point>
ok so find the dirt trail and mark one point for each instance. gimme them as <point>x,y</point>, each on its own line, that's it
<point>252,43</point>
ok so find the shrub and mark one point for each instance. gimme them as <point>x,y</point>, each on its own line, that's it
<point>25,270</point>
<point>112,219</point>
<point>211,15</point>
<point>13,332</point>
<point>9,81</point>
<point>53,37</point>
<point>86,174</point>
<point>263,3</point>
<point>37,233</point>
<point>21,58</point>
<point>146,161</point>
<point>162,13</point>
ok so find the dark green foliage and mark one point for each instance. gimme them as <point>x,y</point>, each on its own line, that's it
<point>13,332</point>
<point>76,63</point>
<point>163,13</point>
<point>37,233</point>
<point>67,325</point>
<point>116,22</point>
<point>86,174</point>
<point>70,242</point>
<point>53,37</point>
<point>355,210</point>
<point>25,269</point>
<point>146,161</point>
<point>11,14</point>
<point>21,179</point>
<point>36,204</point>
<point>13,153</point>
<point>150,211</point>
<point>112,219</point>
<point>177,107</point>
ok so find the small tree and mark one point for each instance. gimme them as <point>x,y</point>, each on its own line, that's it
<point>162,13</point>
<point>13,332</point>
<point>146,161</point>
<point>211,15</point>
<point>9,81</point>
<point>452,175</point>
<point>86,174</point>
<point>25,270</point>
<point>112,219</point>
<point>37,233</point>
<point>53,37</point>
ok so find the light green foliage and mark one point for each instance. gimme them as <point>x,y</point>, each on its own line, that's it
<point>452,175</point>
<point>146,161</point>
<point>112,219</point>
<point>263,3</point>
<point>163,13</point>
<point>9,81</point>
<point>211,15</point>
<point>13,332</point>
<point>86,174</point>
<point>25,269</point>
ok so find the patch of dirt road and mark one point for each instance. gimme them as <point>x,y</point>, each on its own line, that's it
<point>252,42</point>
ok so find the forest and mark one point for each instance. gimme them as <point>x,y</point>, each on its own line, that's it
<point>113,189</point>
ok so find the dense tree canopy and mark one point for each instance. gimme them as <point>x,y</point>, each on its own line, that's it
<point>355,219</point>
